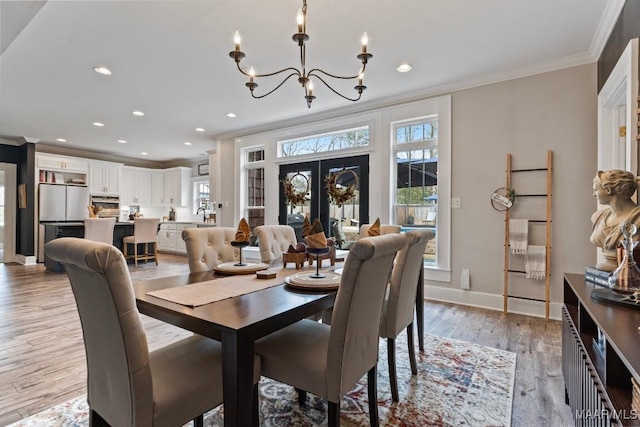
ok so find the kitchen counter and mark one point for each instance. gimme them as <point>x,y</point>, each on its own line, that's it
<point>54,230</point>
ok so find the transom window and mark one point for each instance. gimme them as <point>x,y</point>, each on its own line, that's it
<point>325,142</point>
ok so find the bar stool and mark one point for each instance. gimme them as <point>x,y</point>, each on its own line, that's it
<point>99,229</point>
<point>145,230</point>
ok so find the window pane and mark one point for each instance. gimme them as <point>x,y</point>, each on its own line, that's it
<point>255,217</point>
<point>332,141</point>
<point>417,180</point>
<point>255,187</point>
<point>255,156</point>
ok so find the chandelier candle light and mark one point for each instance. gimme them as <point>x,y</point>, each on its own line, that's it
<point>304,77</point>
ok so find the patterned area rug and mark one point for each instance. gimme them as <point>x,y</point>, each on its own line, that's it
<point>458,384</point>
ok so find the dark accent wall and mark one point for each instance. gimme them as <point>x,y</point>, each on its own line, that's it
<point>24,157</point>
<point>627,27</point>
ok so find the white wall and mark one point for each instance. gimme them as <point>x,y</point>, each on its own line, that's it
<point>524,117</point>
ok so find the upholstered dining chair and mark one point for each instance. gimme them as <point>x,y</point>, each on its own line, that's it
<point>145,230</point>
<point>397,312</point>
<point>209,246</point>
<point>328,360</point>
<point>384,229</point>
<point>274,240</point>
<point>99,229</point>
<point>126,384</point>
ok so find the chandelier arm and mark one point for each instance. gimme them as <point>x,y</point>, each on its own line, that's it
<point>275,88</point>
<point>297,72</point>
<point>318,70</point>
<point>335,91</point>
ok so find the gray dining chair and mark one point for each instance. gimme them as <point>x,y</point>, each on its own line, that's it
<point>274,240</point>
<point>397,312</point>
<point>328,360</point>
<point>126,384</point>
<point>208,247</point>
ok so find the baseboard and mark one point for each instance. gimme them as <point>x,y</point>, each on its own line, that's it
<point>26,260</point>
<point>491,301</point>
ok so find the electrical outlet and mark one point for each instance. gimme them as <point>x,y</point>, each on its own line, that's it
<point>455,203</point>
<point>465,282</point>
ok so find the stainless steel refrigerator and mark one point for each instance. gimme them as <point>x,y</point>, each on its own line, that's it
<point>60,202</point>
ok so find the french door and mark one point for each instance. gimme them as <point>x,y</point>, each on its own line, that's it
<point>311,177</point>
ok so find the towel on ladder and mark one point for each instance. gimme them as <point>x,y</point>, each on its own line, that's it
<point>535,262</point>
<point>518,236</point>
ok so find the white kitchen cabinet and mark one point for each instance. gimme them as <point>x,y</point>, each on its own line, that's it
<point>157,187</point>
<point>62,164</point>
<point>136,186</point>
<point>170,237</point>
<point>177,188</point>
<point>105,178</point>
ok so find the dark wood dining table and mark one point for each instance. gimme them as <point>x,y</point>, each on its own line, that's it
<point>237,323</point>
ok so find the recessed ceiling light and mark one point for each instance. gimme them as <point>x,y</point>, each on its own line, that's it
<point>98,124</point>
<point>144,153</point>
<point>138,113</point>
<point>199,130</point>
<point>61,140</point>
<point>187,143</point>
<point>403,68</point>
<point>122,141</point>
<point>102,70</point>
<point>232,115</point>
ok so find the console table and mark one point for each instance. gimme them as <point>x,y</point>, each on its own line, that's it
<point>600,355</point>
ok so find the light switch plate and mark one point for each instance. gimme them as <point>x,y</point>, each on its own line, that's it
<point>455,203</point>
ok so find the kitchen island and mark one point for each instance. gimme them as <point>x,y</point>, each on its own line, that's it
<point>54,230</point>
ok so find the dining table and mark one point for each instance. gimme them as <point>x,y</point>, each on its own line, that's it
<point>237,322</point>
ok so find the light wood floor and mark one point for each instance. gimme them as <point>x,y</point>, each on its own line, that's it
<point>42,360</point>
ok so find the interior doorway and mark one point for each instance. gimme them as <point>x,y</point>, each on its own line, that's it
<point>8,205</point>
<point>310,178</point>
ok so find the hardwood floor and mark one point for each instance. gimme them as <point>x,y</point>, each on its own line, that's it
<point>42,360</point>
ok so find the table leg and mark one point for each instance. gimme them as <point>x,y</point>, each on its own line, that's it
<point>420,308</point>
<point>237,378</point>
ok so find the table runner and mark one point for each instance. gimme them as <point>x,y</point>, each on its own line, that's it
<point>218,289</point>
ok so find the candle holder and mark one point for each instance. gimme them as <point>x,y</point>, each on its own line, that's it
<point>317,253</point>
<point>240,245</point>
<point>626,278</point>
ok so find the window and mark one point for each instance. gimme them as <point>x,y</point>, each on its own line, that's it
<point>332,141</point>
<point>254,186</point>
<point>201,203</point>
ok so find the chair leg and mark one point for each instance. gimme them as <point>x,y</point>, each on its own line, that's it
<point>302,397</point>
<point>412,350</point>
<point>135,253</point>
<point>155,253</point>
<point>333,414</point>
<point>393,377</point>
<point>372,386</point>
<point>198,421</point>
<point>256,409</point>
<point>95,420</point>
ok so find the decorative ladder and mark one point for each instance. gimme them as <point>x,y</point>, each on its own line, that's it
<point>546,221</point>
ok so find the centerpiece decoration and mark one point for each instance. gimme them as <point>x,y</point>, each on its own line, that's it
<point>338,193</point>
<point>241,240</point>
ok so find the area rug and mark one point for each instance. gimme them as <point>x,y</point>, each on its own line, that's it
<point>458,384</point>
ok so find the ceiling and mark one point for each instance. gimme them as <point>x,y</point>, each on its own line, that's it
<point>170,60</point>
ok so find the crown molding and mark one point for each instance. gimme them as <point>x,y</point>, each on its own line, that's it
<point>605,26</point>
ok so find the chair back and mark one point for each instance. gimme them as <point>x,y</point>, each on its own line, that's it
<point>384,229</point>
<point>145,230</point>
<point>355,323</point>
<point>397,312</point>
<point>274,240</point>
<point>209,246</point>
<point>118,373</point>
<point>99,229</point>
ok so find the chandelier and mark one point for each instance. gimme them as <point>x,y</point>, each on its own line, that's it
<point>304,76</point>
